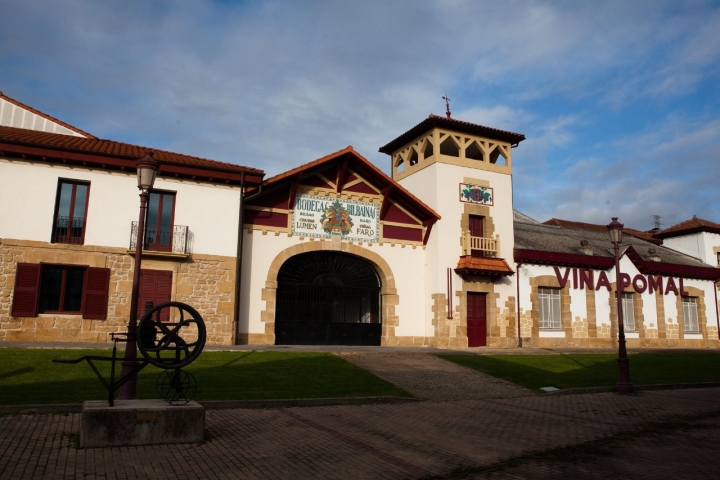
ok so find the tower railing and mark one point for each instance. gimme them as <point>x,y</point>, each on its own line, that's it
<point>480,246</point>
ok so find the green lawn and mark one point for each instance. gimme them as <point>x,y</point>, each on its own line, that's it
<point>27,376</point>
<point>593,370</point>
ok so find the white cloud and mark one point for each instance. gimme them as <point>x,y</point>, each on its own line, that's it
<point>275,84</point>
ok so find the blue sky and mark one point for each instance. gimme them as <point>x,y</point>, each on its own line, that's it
<point>619,101</point>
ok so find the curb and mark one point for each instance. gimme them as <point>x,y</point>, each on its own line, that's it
<point>637,388</point>
<point>220,404</point>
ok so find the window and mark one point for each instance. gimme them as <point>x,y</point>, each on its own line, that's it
<point>414,157</point>
<point>549,299</point>
<point>70,212</point>
<point>628,312</point>
<point>690,314</point>
<point>159,224</point>
<point>61,289</point>
<point>474,152</point>
<point>449,147</point>
<point>66,289</point>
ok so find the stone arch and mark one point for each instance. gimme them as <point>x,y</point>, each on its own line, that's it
<point>388,291</point>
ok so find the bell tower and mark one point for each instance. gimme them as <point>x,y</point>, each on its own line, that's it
<point>464,172</point>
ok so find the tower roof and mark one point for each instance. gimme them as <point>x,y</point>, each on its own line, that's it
<point>434,121</point>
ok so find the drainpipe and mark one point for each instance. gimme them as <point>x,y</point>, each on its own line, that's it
<point>717,315</point>
<point>238,263</point>
<point>517,301</point>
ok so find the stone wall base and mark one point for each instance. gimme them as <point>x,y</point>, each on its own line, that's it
<point>140,422</point>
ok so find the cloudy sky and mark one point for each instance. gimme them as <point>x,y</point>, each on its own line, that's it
<point>619,100</point>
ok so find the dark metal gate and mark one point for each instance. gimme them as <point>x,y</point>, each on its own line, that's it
<point>327,298</point>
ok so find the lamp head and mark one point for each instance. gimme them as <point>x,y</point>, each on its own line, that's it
<point>147,168</point>
<point>615,229</point>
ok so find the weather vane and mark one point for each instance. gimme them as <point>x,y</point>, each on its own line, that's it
<point>447,105</point>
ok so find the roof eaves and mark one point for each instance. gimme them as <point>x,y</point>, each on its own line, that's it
<point>434,121</point>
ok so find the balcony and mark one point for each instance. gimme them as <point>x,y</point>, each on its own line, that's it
<point>480,246</point>
<point>480,258</point>
<point>68,230</point>
<point>175,241</point>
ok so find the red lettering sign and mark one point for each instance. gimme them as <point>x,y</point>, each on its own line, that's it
<point>562,280</point>
<point>641,283</point>
<point>603,281</point>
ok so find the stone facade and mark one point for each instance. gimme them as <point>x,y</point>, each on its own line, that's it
<point>202,281</point>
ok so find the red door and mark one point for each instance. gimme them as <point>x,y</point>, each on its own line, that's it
<point>476,230</point>
<point>155,287</point>
<point>476,320</point>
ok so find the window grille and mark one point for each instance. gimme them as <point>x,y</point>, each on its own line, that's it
<point>628,312</point>
<point>690,314</point>
<point>549,299</point>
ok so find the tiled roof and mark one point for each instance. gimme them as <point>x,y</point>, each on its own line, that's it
<point>694,225</point>
<point>434,121</point>
<point>10,136</point>
<point>45,115</point>
<point>366,168</point>
<point>561,245</point>
<point>493,267</point>
<point>601,228</point>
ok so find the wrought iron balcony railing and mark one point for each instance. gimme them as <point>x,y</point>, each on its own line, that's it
<point>480,246</point>
<point>177,239</point>
<point>68,230</point>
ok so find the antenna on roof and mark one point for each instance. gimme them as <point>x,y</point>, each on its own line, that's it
<point>656,222</point>
<point>447,105</point>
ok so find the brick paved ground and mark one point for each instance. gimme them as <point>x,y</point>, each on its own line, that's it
<point>431,438</point>
<point>685,449</point>
<point>431,377</point>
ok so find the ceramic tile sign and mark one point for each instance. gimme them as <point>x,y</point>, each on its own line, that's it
<point>324,217</point>
<point>478,194</point>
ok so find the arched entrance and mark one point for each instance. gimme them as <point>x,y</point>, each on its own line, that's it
<point>327,298</point>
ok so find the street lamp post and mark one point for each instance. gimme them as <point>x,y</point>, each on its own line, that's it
<point>147,168</point>
<point>623,385</point>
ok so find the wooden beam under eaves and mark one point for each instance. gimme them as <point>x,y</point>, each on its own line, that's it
<point>386,200</point>
<point>342,175</point>
<point>293,191</point>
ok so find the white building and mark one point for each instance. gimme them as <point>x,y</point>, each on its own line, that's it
<point>331,252</point>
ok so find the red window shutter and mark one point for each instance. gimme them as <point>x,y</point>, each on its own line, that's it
<point>148,280</point>
<point>163,292</point>
<point>164,287</point>
<point>155,287</point>
<point>27,286</point>
<point>95,293</point>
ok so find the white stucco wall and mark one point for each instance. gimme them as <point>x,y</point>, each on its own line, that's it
<point>438,186</point>
<point>578,305</point>
<point>407,265</point>
<point>692,245</point>
<point>29,192</point>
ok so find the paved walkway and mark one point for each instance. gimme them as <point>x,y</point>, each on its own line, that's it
<point>432,378</point>
<point>424,439</point>
<point>470,426</point>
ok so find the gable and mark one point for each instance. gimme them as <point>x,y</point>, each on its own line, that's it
<point>378,209</point>
<point>15,114</point>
